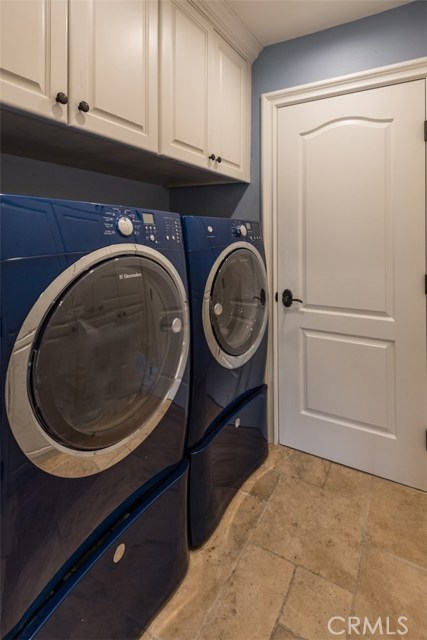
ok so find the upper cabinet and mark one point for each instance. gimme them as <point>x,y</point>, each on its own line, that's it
<point>205,94</point>
<point>33,55</point>
<point>91,63</point>
<point>176,84</point>
<point>113,69</point>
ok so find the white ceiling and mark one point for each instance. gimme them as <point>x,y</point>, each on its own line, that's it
<point>272,21</point>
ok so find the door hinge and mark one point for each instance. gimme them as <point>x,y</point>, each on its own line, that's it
<point>425,284</point>
<point>276,297</point>
<point>425,130</point>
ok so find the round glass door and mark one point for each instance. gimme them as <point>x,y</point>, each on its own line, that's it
<point>235,314</point>
<point>98,360</point>
<point>108,353</point>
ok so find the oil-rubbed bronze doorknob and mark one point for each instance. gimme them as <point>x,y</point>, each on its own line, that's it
<point>83,106</point>
<point>212,157</point>
<point>288,298</point>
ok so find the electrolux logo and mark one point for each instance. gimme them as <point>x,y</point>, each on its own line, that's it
<point>354,626</point>
<point>126,276</point>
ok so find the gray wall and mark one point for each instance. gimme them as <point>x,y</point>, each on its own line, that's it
<point>24,176</point>
<point>386,38</point>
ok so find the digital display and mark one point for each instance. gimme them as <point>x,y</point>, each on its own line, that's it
<point>248,226</point>
<point>148,218</point>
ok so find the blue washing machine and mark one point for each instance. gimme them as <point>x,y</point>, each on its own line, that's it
<point>227,434</point>
<point>94,401</point>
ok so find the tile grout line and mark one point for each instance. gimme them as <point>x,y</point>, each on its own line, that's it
<point>285,597</point>
<point>295,566</point>
<point>327,474</point>
<point>233,567</point>
<point>409,563</point>
<point>362,546</point>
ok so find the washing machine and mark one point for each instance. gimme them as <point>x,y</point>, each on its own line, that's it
<point>227,433</point>
<point>94,401</point>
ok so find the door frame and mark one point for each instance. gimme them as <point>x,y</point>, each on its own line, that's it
<point>270,104</point>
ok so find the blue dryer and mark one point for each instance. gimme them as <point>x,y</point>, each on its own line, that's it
<point>94,401</point>
<point>227,434</point>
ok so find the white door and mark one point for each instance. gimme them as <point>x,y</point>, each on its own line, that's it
<point>351,245</point>
<point>231,110</point>
<point>33,56</point>
<point>186,84</point>
<point>113,69</point>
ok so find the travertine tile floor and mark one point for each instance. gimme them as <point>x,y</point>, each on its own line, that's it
<point>306,548</point>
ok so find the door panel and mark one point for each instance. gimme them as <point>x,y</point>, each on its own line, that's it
<point>113,67</point>
<point>186,83</point>
<point>231,109</point>
<point>335,220</point>
<point>338,372</point>
<point>351,238</point>
<point>34,72</point>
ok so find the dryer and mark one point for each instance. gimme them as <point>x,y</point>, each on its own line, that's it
<point>94,399</point>
<point>227,433</point>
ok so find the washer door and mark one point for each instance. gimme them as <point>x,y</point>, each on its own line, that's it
<point>103,362</point>
<point>235,305</point>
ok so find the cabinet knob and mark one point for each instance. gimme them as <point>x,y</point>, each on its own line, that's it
<point>62,98</point>
<point>219,159</point>
<point>83,106</point>
<point>212,156</point>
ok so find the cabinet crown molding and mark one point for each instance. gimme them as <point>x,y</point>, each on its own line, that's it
<point>230,27</point>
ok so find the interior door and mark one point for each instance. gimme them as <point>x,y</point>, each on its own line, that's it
<point>351,245</point>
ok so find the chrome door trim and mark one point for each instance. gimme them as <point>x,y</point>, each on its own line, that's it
<point>38,446</point>
<point>225,359</point>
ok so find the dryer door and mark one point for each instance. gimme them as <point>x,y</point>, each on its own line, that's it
<point>235,305</point>
<point>108,356</point>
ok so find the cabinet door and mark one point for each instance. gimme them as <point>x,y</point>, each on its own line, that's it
<point>186,74</point>
<point>33,56</point>
<point>113,69</point>
<point>231,113</point>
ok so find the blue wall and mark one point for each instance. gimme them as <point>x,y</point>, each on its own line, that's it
<point>385,38</point>
<point>28,177</point>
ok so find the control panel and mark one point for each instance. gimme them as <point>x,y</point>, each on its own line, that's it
<point>246,230</point>
<point>221,230</point>
<point>152,228</point>
<point>121,221</point>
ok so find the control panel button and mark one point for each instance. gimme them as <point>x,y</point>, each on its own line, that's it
<point>152,237</point>
<point>210,229</point>
<point>125,226</point>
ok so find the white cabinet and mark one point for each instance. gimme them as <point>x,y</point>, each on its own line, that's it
<point>33,55</point>
<point>113,69</point>
<point>205,92</point>
<point>102,54</point>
